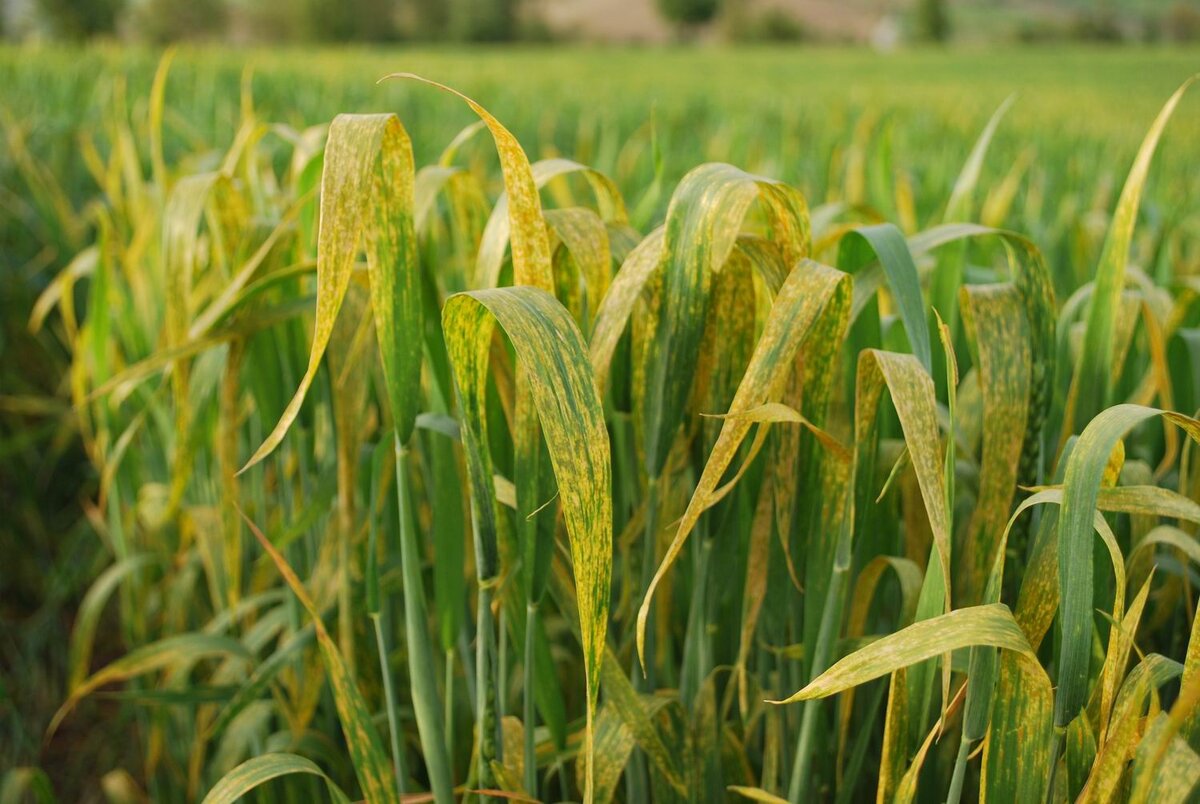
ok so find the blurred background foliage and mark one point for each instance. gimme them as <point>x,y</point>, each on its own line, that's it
<point>882,23</point>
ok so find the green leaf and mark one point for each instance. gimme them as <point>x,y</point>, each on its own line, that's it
<point>261,769</point>
<point>1081,488</point>
<point>886,242</point>
<point>1093,379</point>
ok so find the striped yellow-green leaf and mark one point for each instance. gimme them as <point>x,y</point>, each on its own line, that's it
<point>977,625</point>
<point>550,349</point>
<point>617,304</point>
<point>913,396</point>
<point>1166,768</point>
<point>1019,749</point>
<point>1030,274</point>
<point>810,292</point>
<point>496,235</point>
<point>995,321</point>
<point>262,769</point>
<point>527,229</point>
<point>582,261</point>
<point>1137,692</point>
<point>367,202</point>
<point>160,655</point>
<point>704,218</point>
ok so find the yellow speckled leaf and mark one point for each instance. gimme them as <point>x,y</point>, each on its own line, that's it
<point>810,292</point>
<point>499,226</point>
<point>996,323</point>
<point>367,200</point>
<point>706,214</point>
<point>551,351</point>
<point>977,625</point>
<point>527,228</point>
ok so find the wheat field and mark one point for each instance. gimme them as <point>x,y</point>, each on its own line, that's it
<point>719,449</point>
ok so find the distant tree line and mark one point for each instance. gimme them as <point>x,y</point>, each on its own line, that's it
<point>282,20</point>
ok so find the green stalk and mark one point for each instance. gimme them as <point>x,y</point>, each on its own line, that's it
<point>464,656</point>
<point>501,654</point>
<point>1060,735</point>
<point>420,653</point>
<point>530,714</point>
<point>373,612</point>
<point>389,696</point>
<point>649,555</point>
<point>861,743</point>
<point>487,745</point>
<point>960,771</point>
<point>637,779</point>
<point>448,713</point>
<point>694,644</point>
<point>826,635</point>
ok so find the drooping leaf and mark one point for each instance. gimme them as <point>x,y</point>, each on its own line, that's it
<point>811,291</point>
<point>367,201</point>
<point>261,769</point>
<point>183,649</point>
<point>550,349</point>
<point>703,221</point>
<point>977,625</point>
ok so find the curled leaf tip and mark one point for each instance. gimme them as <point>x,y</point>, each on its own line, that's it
<point>641,637</point>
